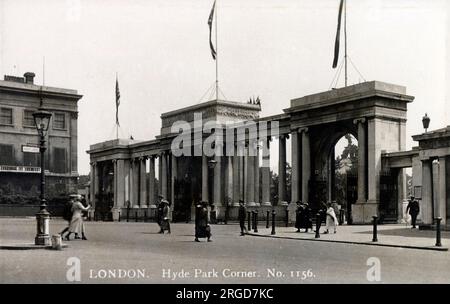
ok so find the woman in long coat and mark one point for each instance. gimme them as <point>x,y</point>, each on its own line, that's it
<point>331,219</point>
<point>76,224</point>
<point>202,227</point>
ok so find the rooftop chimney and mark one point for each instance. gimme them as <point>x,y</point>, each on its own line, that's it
<point>29,77</point>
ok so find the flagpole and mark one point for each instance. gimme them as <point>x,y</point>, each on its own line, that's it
<point>117,125</point>
<point>217,55</point>
<point>345,39</point>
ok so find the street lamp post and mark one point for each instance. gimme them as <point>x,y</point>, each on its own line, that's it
<point>42,121</point>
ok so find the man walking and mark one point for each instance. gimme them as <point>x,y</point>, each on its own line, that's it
<point>414,209</point>
<point>242,214</point>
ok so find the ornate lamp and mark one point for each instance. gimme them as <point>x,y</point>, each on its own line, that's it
<point>426,122</point>
<point>42,121</point>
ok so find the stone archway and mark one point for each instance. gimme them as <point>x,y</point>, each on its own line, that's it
<point>374,112</point>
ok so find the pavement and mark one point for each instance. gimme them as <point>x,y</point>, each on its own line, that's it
<point>114,249</point>
<point>398,235</point>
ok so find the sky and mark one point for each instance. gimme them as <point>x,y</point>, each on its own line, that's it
<point>278,50</point>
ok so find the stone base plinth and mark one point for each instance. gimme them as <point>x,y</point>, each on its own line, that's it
<point>362,212</point>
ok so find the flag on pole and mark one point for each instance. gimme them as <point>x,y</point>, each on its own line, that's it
<point>117,101</point>
<point>338,34</point>
<point>210,21</point>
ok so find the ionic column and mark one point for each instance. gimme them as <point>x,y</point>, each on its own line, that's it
<point>160,174</point>
<point>265,173</point>
<point>306,164</point>
<point>120,172</point>
<point>164,172</point>
<point>134,183</point>
<point>205,178</point>
<point>401,193</point>
<point>218,177</point>
<point>250,182</point>
<point>282,170</point>
<point>230,181</point>
<point>236,175</point>
<point>151,183</point>
<point>173,178</point>
<point>241,159</point>
<point>362,142</point>
<point>93,182</point>
<point>115,182</point>
<point>442,190</point>
<point>131,184</point>
<point>295,177</point>
<point>256,173</point>
<point>143,183</point>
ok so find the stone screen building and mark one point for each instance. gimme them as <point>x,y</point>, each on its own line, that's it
<point>123,172</point>
<point>20,164</point>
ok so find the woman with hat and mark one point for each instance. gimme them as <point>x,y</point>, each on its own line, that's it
<point>76,224</point>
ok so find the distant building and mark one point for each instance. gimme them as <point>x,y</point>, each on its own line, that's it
<point>19,164</point>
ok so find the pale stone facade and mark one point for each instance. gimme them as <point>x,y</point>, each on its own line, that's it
<point>19,170</point>
<point>373,112</point>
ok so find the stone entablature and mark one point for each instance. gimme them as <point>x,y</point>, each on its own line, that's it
<point>357,91</point>
<point>218,110</point>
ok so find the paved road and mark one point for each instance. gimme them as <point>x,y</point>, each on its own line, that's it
<point>138,249</point>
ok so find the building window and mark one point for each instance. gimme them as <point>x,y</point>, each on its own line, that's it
<point>7,155</point>
<point>31,159</point>
<point>59,160</point>
<point>6,116</point>
<point>59,121</point>
<point>28,120</point>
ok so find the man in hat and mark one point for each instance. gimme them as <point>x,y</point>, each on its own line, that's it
<point>414,209</point>
<point>242,214</point>
<point>159,213</point>
<point>166,216</point>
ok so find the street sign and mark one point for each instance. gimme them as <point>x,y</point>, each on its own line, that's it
<point>30,149</point>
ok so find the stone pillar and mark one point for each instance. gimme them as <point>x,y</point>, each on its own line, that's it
<point>93,181</point>
<point>205,192</point>
<point>306,164</point>
<point>256,173</point>
<point>435,178</point>
<point>236,178</point>
<point>282,170</point>
<point>136,184</point>
<point>426,207</point>
<point>250,180</point>
<point>151,183</point>
<point>143,183</point>
<point>120,172</point>
<point>265,173</point>
<point>361,160</point>
<point>126,170</point>
<point>330,173</point>
<point>218,179</point>
<point>173,179</point>
<point>401,194</point>
<point>160,174</point>
<point>442,190</point>
<point>164,173</point>
<point>96,182</point>
<point>295,177</point>
<point>241,157</point>
<point>115,181</point>
<point>229,191</point>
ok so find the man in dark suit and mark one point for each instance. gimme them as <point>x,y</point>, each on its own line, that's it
<point>413,208</point>
<point>242,214</point>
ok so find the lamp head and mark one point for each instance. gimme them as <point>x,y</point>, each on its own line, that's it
<point>42,120</point>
